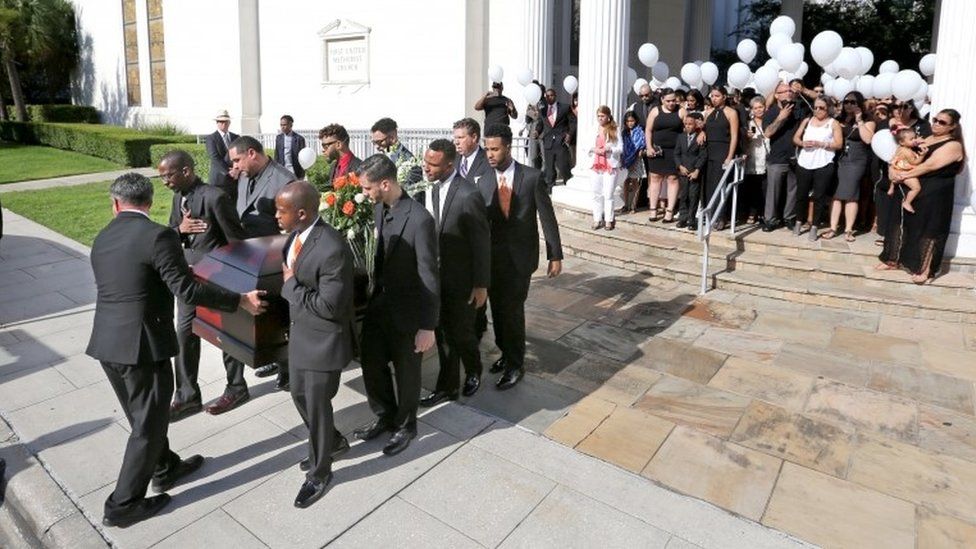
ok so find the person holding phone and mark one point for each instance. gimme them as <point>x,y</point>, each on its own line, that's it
<point>498,108</point>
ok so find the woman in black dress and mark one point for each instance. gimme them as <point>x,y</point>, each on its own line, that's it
<point>721,137</point>
<point>664,124</point>
<point>855,157</point>
<point>918,243</point>
<point>903,115</point>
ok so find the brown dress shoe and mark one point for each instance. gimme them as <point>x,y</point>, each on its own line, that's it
<point>180,410</point>
<point>227,402</point>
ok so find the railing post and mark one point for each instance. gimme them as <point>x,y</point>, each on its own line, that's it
<point>704,275</point>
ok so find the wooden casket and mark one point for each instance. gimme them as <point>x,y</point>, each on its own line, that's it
<point>252,264</point>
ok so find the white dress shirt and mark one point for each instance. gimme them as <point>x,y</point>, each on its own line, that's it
<point>441,194</point>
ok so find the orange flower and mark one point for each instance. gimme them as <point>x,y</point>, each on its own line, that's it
<point>349,208</point>
<point>353,179</point>
<point>330,199</point>
<point>340,182</point>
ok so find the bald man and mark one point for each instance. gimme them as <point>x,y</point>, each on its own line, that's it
<point>318,287</point>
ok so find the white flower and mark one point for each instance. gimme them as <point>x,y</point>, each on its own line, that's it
<point>359,198</point>
<point>351,234</point>
<point>323,206</point>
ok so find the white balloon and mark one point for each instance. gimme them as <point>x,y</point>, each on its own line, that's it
<point>640,83</point>
<point>825,78</point>
<point>709,72</point>
<point>867,59</point>
<point>655,83</point>
<point>785,76</point>
<point>927,64</point>
<point>825,47</point>
<point>842,87</point>
<point>570,84</point>
<point>881,87</point>
<point>848,63</point>
<point>865,85</point>
<point>906,84</point>
<point>532,94</point>
<point>829,69</point>
<point>660,71</point>
<point>783,25</point>
<point>922,93</point>
<point>923,109</point>
<point>747,50</point>
<point>672,82</point>
<point>739,75</point>
<point>306,157</point>
<point>829,88</point>
<point>773,64</point>
<point>790,56</point>
<point>648,55</point>
<point>631,77</point>
<point>495,73</point>
<point>691,74</point>
<point>776,42</point>
<point>888,66</point>
<point>802,71</point>
<point>883,144</point>
<point>524,76</point>
<point>931,90</point>
<point>766,80</point>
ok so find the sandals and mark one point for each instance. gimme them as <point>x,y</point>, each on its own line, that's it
<point>597,225</point>
<point>831,233</point>
<point>668,216</point>
<point>885,267</point>
<point>849,236</point>
<point>921,279</point>
<point>879,242</point>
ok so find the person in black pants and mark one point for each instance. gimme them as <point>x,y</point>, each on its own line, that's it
<point>403,311</point>
<point>689,158</point>
<point>818,137</point>
<point>722,137</point>
<point>554,129</point>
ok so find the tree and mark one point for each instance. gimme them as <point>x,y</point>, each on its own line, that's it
<point>11,31</point>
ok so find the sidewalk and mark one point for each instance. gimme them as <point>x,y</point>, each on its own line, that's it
<point>69,180</point>
<point>471,479</point>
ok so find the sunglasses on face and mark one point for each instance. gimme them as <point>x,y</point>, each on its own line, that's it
<point>941,122</point>
<point>850,102</point>
<point>819,107</point>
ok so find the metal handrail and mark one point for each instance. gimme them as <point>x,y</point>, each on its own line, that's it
<point>707,215</point>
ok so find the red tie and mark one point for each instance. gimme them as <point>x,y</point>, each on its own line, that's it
<point>552,114</point>
<point>504,195</point>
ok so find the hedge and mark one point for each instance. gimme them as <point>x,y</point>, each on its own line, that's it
<point>318,174</point>
<point>120,145</point>
<point>58,113</point>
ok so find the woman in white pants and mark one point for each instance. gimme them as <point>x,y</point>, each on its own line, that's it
<point>606,166</point>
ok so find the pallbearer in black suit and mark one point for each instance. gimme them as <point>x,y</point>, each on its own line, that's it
<point>464,246</point>
<point>318,287</point>
<point>516,196</point>
<point>402,312</point>
<point>138,266</point>
<point>205,219</point>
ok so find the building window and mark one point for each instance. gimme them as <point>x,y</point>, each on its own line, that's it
<point>157,53</point>
<point>133,89</point>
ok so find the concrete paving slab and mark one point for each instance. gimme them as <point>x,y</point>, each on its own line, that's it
<point>88,461</point>
<point>56,420</point>
<point>414,528</point>
<point>25,390</point>
<point>217,529</point>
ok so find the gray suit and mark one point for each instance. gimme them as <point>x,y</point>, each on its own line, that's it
<point>320,342</point>
<point>255,199</point>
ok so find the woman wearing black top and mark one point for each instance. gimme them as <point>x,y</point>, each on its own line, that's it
<point>918,243</point>
<point>664,124</point>
<point>721,136</point>
<point>889,207</point>
<point>855,157</point>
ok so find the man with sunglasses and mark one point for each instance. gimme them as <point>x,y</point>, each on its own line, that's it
<point>386,141</point>
<point>335,148</point>
<point>781,120</point>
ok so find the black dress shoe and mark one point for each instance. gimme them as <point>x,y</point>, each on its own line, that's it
<point>181,471</point>
<point>498,366</point>
<point>181,410</point>
<point>282,384</point>
<point>373,430</point>
<point>145,509</point>
<point>312,491</point>
<point>267,370</point>
<point>399,441</point>
<point>509,379</point>
<point>471,385</point>
<point>436,398</point>
<point>682,223</point>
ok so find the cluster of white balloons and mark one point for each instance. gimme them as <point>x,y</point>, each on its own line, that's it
<point>531,92</point>
<point>695,75</point>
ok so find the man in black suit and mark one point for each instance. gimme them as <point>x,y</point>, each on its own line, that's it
<point>205,219</point>
<point>318,287</point>
<point>222,172</point>
<point>472,162</point>
<point>689,158</point>
<point>464,246</point>
<point>402,312</point>
<point>385,136</point>
<point>287,146</point>
<point>335,148</point>
<point>516,198</point>
<point>554,133</point>
<point>138,267</point>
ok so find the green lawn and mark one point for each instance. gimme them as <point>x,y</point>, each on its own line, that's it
<point>79,211</point>
<point>25,162</point>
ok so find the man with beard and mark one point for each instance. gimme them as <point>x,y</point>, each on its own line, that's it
<point>335,148</point>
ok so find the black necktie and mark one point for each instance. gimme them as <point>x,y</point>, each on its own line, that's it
<point>436,200</point>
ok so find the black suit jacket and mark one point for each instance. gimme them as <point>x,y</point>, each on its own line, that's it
<point>297,144</point>
<point>517,236</point>
<point>553,135</point>
<point>353,167</point>
<point>463,239</point>
<point>220,163</point>
<point>406,281</point>
<point>320,302</point>
<point>212,205</point>
<point>139,266</point>
<point>691,157</point>
<point>479,166</point>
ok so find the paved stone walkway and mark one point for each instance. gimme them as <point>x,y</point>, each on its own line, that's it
<point>73,180</point>
<point>472,479</point>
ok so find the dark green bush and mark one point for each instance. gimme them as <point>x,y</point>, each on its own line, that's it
<point>59,113</point>
<point>197,151</point>
<point>121,145</point>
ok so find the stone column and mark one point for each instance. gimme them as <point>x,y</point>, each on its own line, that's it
<point>794,8</point>
<point>604,48</point>
<point>955,88</point>
<point>250,49</point>
<point>698,36</point>
<point>537,24</point>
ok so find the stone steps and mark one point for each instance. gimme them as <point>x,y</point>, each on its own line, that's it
<point>836,279</point>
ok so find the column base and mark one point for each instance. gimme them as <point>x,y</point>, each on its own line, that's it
<point>962,239</point>
<point>577,192</point>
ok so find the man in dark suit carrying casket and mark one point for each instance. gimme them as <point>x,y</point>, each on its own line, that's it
<point>139,266</point>
<point>318,287</point>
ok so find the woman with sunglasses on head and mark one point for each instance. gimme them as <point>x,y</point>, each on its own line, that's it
<point>664,125</point>
<point>694,101</point>
<point>818,137</point>
<point>858,129</point>
<point>918,243</point>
